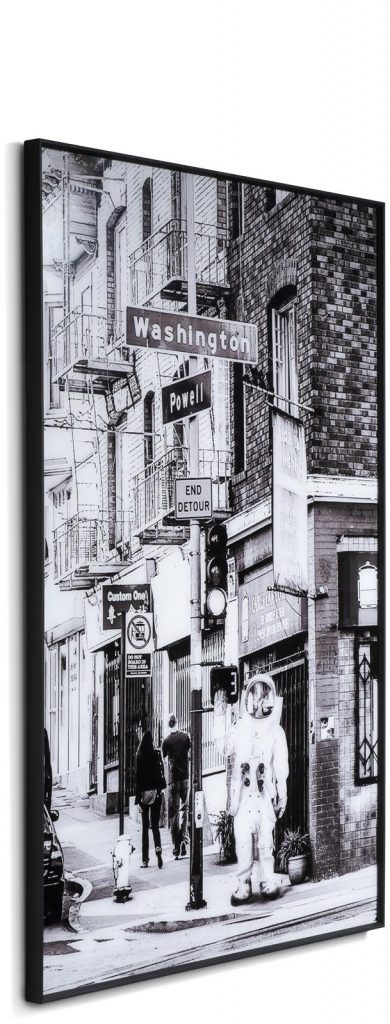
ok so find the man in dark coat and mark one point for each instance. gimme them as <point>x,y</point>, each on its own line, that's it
<point>176,747</point>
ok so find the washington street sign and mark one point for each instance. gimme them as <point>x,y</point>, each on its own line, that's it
<point>186,397</point>
<point>191,335</point>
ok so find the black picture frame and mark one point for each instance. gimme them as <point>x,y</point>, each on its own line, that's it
<point>34,591</point>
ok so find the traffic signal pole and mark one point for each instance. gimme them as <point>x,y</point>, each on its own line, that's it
<point>196,901</point>
<point>122,727</point>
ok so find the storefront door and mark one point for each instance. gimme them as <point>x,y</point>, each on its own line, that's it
<point>290,678</point>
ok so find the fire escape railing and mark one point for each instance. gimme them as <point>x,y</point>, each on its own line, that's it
<point>85,539</point>
<point>163,258</point>
<point>89,334</point>
<point>154,487</point>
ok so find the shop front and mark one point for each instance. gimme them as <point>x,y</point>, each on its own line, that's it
<point>272,639</point>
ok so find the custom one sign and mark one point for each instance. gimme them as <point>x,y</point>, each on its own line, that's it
<point>191,335</point>
<point>186,397</point>
<point>119,598</point>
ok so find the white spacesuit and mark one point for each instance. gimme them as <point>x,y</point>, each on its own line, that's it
<point>257,792</point>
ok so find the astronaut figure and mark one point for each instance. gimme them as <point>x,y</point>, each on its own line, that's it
<point>258,794</point>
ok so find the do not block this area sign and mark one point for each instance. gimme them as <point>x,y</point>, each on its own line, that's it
<point>193,498</point>
<point>139,643</point>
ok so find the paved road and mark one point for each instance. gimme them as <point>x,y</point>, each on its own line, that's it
<point>86,961</point>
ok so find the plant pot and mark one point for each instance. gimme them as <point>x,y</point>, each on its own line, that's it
<point>297,868</point>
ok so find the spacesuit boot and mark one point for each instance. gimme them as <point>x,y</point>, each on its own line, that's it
<point>242,894</point>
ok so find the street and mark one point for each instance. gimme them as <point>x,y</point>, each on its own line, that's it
<point>103,941</point>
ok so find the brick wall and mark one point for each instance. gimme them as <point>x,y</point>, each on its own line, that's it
<point>331,247</point>
<point>342,815</point>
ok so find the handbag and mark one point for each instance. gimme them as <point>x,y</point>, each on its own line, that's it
<point>148,797</point>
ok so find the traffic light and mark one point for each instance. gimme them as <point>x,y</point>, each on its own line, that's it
<point>216,575</point>
<point>224,678</point>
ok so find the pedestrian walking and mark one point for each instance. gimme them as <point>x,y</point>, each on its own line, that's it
<point>149,784</point>
<point>176,747</point>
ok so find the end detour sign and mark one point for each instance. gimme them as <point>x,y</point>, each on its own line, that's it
<point>193,498</point>
<point>139,644</point>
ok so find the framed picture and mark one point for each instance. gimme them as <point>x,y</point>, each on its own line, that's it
<point>205,649</point>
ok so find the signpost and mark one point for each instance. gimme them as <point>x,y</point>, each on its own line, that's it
<point>193,498</point>
<point>186,397</point>
<point>118,599</point>
<point>192,336</point>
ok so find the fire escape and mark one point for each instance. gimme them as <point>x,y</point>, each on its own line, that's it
<point>158,276</point>
<point>89,359</point>
<point>158,267</point>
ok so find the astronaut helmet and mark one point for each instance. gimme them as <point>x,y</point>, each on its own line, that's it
<point>260,697</point>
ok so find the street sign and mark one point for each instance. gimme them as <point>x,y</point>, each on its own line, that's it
<point>186,397</point>
<point>191,335</point>
<point>120,597</point>
<point>139,643</point>
<point>193,498</point>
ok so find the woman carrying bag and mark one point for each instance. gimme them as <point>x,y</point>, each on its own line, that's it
<point>149,784</point>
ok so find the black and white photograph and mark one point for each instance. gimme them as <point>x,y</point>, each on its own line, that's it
<point>211,737</point>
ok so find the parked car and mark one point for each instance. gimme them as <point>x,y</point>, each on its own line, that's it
<point>53,868</point>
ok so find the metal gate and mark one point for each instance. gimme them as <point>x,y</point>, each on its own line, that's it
<point>138,718</point>
<point>290,678</point>
<point>138,713</point>
<point>94,743</point>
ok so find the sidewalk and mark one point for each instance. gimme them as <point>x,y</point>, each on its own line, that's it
<point>159,898</point>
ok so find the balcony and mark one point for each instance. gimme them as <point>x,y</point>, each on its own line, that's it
<point>87,342</point>
<point>154,487</point>
<point>87,548</point>
<point>159,266</point>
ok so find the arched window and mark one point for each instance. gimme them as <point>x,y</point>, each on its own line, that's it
<point>147,201</point>
<point>149,428</point>
<point>282,320</point>
<point>368,586</point>
<point>237,209</point>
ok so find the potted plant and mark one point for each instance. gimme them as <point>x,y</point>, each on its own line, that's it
<point>294,855</point>
<point>225,835</point>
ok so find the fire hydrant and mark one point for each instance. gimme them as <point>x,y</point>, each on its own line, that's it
<point>121,867</point>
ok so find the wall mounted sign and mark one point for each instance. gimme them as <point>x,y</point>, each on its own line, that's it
<point>186,397</point>
<point>289,503</point>
<point>192,335</point>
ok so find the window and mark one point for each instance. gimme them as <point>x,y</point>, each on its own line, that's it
<point>280,194</point>
<point>86,321</point>
<point>284,359</point>
<point>368,586</point>
<point>147,201</point>
<point>367,710</point>
<point>120,278</point>
<point>237,209</point>
<point>239,418</point>
<point>55,315</point>
<point>149,429</point>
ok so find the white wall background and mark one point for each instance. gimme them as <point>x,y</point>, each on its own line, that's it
<point>296,92</point>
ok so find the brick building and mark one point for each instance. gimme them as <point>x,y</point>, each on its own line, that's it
<point>303,269</point>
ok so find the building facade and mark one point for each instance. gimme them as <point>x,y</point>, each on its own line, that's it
<point>303,269</point>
